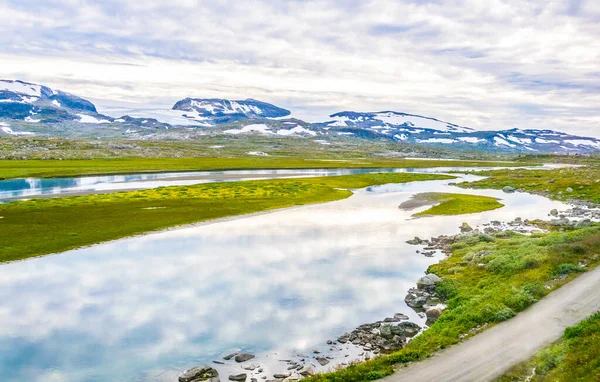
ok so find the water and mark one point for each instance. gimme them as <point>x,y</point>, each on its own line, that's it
<point>21,188</point>
<point>276,285</point>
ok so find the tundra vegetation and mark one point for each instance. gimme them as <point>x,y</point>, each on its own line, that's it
<point>456,204</point>
<point>59,224</point>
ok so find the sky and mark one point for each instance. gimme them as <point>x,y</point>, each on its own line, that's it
<point>484,64</point>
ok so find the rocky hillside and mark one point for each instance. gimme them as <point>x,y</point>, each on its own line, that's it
<point>214,111</point>
<point>31,109</point>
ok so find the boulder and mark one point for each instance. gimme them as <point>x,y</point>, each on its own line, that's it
<point>465,227</point>
<point>243,357</point>
<point>569,190</point>
<point>433,313</point>
<point>583,223</point>
<point>322,361</point>
<point>428,281</point>
<point>554,212</point>
<point>509,189</point>
<point>200,373</point>
<point>238,377</point>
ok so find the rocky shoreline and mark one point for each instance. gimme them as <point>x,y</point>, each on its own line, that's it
<point>393,333</point>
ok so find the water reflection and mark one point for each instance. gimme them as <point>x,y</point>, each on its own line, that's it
<point>148,307</point>
<point>32,187</point>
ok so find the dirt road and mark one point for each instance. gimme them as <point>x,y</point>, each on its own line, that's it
<point>487,355</point>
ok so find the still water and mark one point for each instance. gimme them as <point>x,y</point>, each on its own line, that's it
<point>276,285</point>
<point>34,187</point>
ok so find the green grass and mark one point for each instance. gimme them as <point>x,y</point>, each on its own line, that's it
<point>517,272</point>
<point>43,226</point>
<point>457,204</point>
<point>62,168</point>
<point>584,182</point>
<point>575,357</point>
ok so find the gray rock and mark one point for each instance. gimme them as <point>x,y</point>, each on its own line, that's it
<point>554,212</point>
<point>583,223</point>
<point>230,356</point>
<point>509,189</point>
<point>465,227</point>
<point>243,357</point>
<point>322,361</point>
<point>200,373</point>
<point>433,313</point>
<point>238,377</point>
<point>282,375</point>
<point>428,281</point>
<point>569,190</point>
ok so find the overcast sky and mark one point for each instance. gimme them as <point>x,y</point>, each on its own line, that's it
<point>484,64</point>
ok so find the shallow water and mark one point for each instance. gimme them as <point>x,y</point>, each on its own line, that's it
<point>276,285</point>
<point>32,187</point>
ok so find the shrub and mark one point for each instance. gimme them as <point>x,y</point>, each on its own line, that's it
<point>446,289</point>
<point>567,268</point>
<point>504,314</point>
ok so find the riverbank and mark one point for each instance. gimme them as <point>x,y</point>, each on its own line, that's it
<point>62,168</point>
<point>56,225</point>
<point>488,279</point>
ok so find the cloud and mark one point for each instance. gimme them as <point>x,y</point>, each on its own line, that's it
<point>468,62</point>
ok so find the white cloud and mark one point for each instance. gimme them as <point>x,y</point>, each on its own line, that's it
<point>497,64</point>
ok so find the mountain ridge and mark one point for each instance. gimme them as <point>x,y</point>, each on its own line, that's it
<point>28,105</point>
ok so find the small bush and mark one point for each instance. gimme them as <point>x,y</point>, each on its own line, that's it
<point>568,268</point>
<point>504,314</point>
<point>446,289</point>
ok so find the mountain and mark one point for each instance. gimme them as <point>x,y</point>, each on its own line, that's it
<point>417,129</point>
<point>215,111</point>
<point>31,109</point>
<point>38,103</point>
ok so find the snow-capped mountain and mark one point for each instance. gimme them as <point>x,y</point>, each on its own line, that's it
<point>38,103</point>
<point>214,111</point>
<point>393,122</point>
<point>31,109</point>
<point>410,128</point>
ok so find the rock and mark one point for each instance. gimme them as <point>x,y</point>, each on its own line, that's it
<point>401,316</point>
<point>569,190</point>
<point>282,375</point>
<point>238,377</point>
<point>322,361</point>
<point>428,281</point>
<point>554,212</point>
<point>433,313</point>
<point>230,356</point>
<point>386,331</point>
<point>583,223</point>
<point>415,241</point>
<point>243,357</point>
<point>200,373</point>
<point>509,189</point>
<point>415,301</point>
<point>251,367</point>
<point>307,371</point>
<point>465,227</point>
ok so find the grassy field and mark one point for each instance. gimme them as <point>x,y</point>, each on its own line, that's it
<point>43,226</point>
<point>576,357</point>
<point>58,168</point>
<point>581,182</point>
<point>457,204</point>
<point>517,271</point>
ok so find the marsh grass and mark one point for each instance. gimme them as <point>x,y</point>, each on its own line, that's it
<point>457,204</point>
<point>42,226</point>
